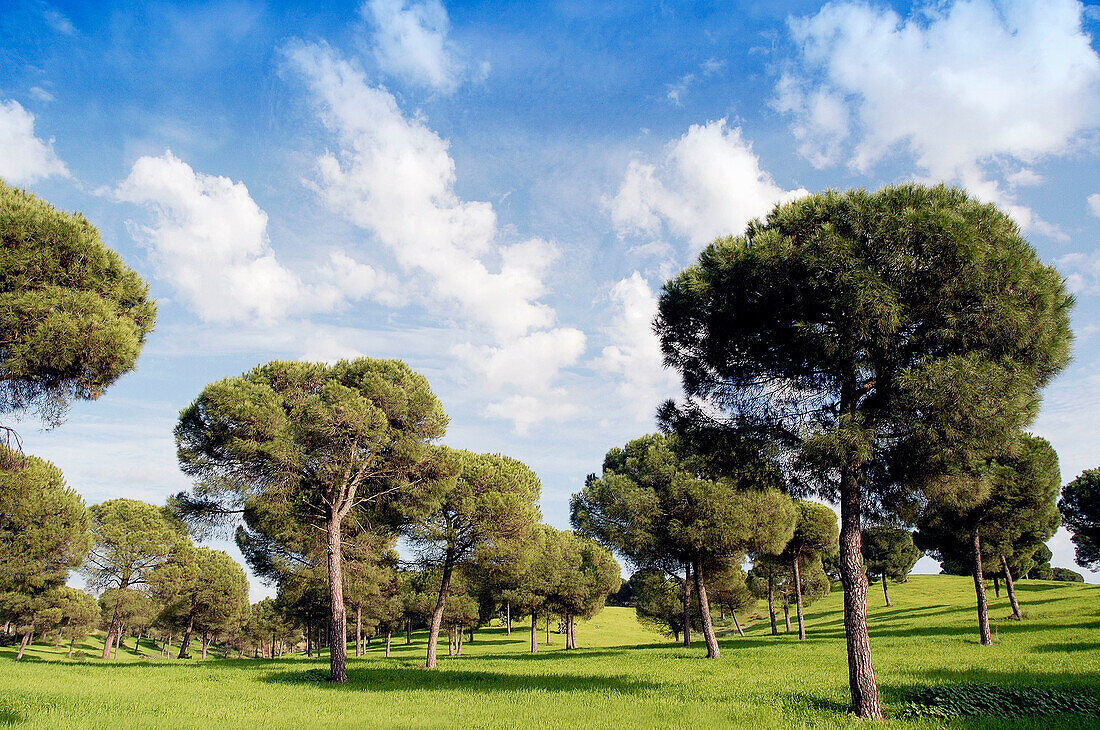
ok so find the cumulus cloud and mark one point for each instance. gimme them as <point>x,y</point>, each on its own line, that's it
<point>526,410</point>
<point>209,239</point>
<point>633,358</point>
<point>966,87</point>
<point>393,176</point>
<point>709,183</point>
<point>1094,204</point>
<point>25,158</point>
<point>410,41</point>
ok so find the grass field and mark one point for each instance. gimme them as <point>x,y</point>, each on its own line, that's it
<point>623,676</point>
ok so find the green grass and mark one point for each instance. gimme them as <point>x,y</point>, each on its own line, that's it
<point>623,676</point>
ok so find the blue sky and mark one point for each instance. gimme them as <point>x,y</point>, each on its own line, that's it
<point>495,192</point>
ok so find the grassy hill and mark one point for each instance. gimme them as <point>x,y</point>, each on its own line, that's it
<point>623,676</point>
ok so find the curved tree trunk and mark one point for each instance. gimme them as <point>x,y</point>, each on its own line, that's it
<point>23,645</point>
<point>798,599</point>
<point>861,671</point>
<point>71,642</point>
<point>736,625</point>
<point>437,614</point>
<point>687,604</point>
<point>713,652</point>
<point>771,602</point>
<point>338,620</point>
<point>979,588</point>
<point>886,591</point>
<point>186,643</point>
<point>1011,589</point>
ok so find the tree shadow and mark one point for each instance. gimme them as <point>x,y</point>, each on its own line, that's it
<point>405,678</point>
<point>11,717</point>
<point>1068,646</point>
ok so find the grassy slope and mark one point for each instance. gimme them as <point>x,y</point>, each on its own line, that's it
<point>624,675</point>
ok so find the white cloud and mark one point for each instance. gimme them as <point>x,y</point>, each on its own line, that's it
<point>526,410</point>
<point>410,41</point>
<point>58,20</point>
<point>394,177</point>
<point>634,358</point>
<point>25,157</point>
<point>1081,271</point>
<point>209,240</point>
<point>1094,204</point>
<point>963,86</point>
<point>530,363</point>
<point>709,184</point>
<point>41,94</point>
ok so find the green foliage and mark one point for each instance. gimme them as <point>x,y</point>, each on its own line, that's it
<point>1066,575</point>
<point>659,601</point>
<point>74,317</point>
<point>43,525</point>
<point>134,608</point>
<point>1080,507</point>
<point>976,700</point>
<point>587,575</point>
<point>131,540</point>
<point>815,532</point>
<point>889,552</point>
<point>903,332</point>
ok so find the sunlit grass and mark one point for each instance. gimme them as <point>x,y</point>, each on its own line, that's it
<point>624,675</point>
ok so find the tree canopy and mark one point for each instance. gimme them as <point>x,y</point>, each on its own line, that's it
<point>1080,507</point>
<point>74,317</point>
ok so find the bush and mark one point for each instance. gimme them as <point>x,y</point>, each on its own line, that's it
<point>1066,575</point>
<point>967,700</point>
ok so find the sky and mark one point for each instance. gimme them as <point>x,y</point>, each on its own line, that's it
<point>495,192</point>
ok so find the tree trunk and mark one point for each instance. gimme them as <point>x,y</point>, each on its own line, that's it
<point>979,588</point>
<point>687,604</point>
<point>437,614</point>
<point>534,632</point>
<point>309,641</point>
<point>771,602</point>
<point>1011,589</point>
<point>408,631</point>
<point>168,647</point>
<point>861,671</point>
<point>186,643</point>
<point>137,645</point>
<point>338,620</point>
<point>23,645</point>
<point>205,643</point>
<point>118,640</point>
<point>71,642</point>
<point>798,599</point>
<point>112,632</point>
<point>359,629</point>
<point>548,629</point>
<point>996,586</point>
<point>508,616</point>
<point>461,633</point>
<point>786,615</point>
<point>886,591</point>
<point>389,635</point>
<point>713,652</point>
<point>736,625</point>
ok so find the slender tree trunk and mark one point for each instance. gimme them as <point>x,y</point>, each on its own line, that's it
<point>996,586</point>
<point>548,629</point>
<point>508,616</point>
<point>205,643</point>
<point>798,599</point>
<point>359,629</point>
<point>118,640</point>
<point>168,647</point>
<point>461,632</point>
<point>112,632</point>
<point>534,632</point>
<point>309,641</point>
<point>686,600</point>
<point>713,652</point>
<point>437,614</point>
<point>979,588</point>
<point>736,625</point>
<point>389,635</point>
<point>137,645</point>
<point>23,645</point>
<point>1011,588</point>
<point>186,643</point>
<point>787,614</point>
<point>771,602</point>
<point>886,591</point>
<point>408,631</point>
<point>338,620</point>
<point>861,671</point>
<point>71,642</point>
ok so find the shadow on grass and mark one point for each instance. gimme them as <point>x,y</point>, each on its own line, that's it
<point>405,678</point>
<point>1068,646</point>
<point>11,717</point>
